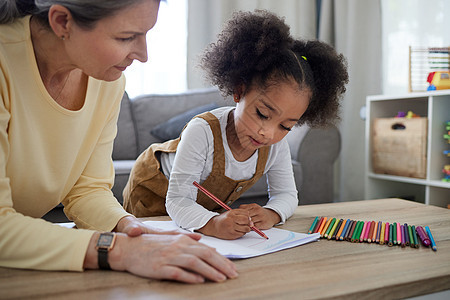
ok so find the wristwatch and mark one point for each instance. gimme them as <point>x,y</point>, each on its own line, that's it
<point>105,243</point>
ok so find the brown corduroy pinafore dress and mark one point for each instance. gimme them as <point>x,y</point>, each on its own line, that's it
<point>145,193</point>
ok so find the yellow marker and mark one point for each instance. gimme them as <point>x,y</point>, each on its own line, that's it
<point>383,230</point>
<point>333,229</point>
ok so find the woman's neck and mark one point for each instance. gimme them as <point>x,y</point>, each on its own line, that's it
<point>49,54</point>
<point>63,81</point>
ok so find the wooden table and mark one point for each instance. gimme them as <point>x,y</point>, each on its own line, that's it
<point>324,269</point>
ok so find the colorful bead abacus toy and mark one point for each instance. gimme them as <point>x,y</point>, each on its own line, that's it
<point>381,233</point>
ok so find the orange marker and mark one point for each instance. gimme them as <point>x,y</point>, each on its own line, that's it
<point>338,235</point>
<point>374,234</point>
<point>324,226</point>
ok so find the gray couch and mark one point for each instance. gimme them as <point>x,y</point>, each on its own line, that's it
<point>313,151</point>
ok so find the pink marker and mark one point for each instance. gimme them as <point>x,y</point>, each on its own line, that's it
<point>366,237</point>
<point>363,232</point>
<point>386,233</point>
<point>399,234</point>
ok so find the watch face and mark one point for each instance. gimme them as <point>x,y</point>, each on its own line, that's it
<point>105,240</point>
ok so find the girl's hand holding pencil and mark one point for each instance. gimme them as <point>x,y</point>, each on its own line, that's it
<point>230,225</point>
<point>263,218</point>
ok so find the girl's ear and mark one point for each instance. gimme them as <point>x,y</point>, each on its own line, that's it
<point>59,18</point>
<point>238,93</point>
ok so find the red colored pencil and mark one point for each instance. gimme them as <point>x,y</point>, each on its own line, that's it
<point>369,237</point>
<point>323,220</point>
<point>316,228</point>
<point>223,205</point>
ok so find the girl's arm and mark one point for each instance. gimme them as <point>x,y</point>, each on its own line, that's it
<point>193,162</point>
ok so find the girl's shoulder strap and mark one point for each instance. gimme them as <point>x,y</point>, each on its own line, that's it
<point>219,152</point>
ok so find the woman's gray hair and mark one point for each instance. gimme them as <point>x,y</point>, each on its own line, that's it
<point>85,12</point>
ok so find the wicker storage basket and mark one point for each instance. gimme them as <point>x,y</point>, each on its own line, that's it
<point>400,146</point>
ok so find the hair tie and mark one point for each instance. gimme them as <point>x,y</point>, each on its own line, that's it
<point>298,62</point>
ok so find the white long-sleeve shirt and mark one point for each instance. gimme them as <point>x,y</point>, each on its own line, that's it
<point>193,162</point>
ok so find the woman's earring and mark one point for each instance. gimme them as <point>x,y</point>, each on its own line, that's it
<point>236,98</point>
<point>63,37</point>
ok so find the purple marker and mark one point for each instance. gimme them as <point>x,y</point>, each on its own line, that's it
<point>423,236</point>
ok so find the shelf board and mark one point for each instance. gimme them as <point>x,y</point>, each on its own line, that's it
<point>406,96</point>
<point>438,183</point>
<point>434,183</point>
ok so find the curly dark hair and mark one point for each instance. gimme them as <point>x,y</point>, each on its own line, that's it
<point>255,49</point>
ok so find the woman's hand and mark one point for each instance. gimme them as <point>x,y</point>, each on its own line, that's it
<point>262,218</point>
<point>230,225</point>
<point>173,257</point>
<point>133,227</point>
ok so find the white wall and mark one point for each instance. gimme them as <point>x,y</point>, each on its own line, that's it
<point>417,23</point>
<point>165,70</point>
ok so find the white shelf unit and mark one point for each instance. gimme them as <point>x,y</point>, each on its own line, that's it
<point>435,105</point>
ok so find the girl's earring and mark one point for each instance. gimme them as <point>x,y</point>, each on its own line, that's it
<point>236,98</point>
<point>63,37</point>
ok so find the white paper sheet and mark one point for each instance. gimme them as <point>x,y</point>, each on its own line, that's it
<point>251,244</point>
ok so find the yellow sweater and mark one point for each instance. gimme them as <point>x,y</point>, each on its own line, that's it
<point>49,155</point>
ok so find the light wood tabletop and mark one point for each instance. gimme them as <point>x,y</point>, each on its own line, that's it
<point>323,269</point>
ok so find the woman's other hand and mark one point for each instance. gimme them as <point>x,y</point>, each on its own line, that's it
<point>133,227</point>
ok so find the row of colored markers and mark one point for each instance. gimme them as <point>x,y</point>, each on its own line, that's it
<point>373,232</point>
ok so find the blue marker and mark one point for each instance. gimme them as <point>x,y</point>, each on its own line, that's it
<point>433,244</point>
<point>345,230</point>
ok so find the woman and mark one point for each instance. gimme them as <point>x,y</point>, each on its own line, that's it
<point>61,83</point>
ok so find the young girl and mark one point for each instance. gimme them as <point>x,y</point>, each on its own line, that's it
<point>277,83</point>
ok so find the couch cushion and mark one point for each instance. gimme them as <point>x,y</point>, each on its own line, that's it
<point>125,143</point>
<point>151,110</point>
<point>172,128</point>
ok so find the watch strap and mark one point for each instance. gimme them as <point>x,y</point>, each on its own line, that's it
<point>103,259</point>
